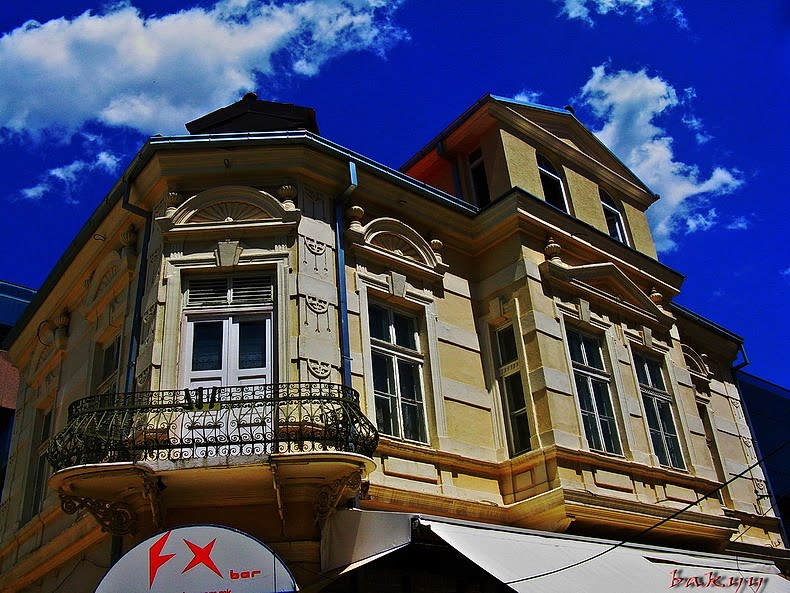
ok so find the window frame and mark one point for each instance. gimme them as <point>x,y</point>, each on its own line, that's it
<point>476,163</point>
<point>586,371</point>
<point>610,209</point>
<point>398,353</point>
<point>107,380</point>
<point>504,370</point>
<point>659,407</point>
<point>39,464</point>
<point>548,172</point>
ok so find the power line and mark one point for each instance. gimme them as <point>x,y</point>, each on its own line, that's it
<point>652,527</point>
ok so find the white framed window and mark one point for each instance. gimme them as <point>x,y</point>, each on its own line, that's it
<point>592,381</point>
<point>658,408</point>
<point>511,387</point>
<point>553,188</point>
<point>477,172</point>
<point>228,336</point>
<point>614,218</point>
<point>397,367</point>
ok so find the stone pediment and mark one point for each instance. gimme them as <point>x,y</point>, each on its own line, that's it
<point>398,245</point>
<point>608,285</point>
<point>226,206</point>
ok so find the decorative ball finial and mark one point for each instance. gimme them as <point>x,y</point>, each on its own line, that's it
<point>552,250</point>
<point>288,194</point>
<point>355,213</point>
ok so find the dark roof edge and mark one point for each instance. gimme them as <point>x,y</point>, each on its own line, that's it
<point>157,143</point>
<point>755,378</point>
<point>707,323</point>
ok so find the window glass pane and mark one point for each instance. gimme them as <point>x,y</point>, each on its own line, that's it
<point>585,397</point>
<point>641,373</point>
<point>659,447</point>
<point>613,224</point>
<point>656,378</point>
<point>409,379</point>
<point>379,323</point>
<point>413,423</point>
<point>207,346</point>
<point>383,376</point>
<point>480,183</point>
<point>552,190</point>
<point>386,416</point>
<point>592,348</point>
<point>602,399</point>
<point>519,427</point>
<point>506,339</point>
<point>404,331</point>
<point>575,344</point>
<point>514,391</point>
<point>609,434</point>
<point>252,344</point>
<point>110,359</point>
<point>665,417</point>
<point>591,430</point>
<point>675,455</point>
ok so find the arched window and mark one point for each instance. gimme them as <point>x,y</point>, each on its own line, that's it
<point>553,190</point>
<point>614,218</point>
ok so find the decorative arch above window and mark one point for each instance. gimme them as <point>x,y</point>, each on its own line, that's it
<point>695,362</point>
<point>553,188</point>
<point>398,246</point>
<point>615,224</point>
<point>231,205</point>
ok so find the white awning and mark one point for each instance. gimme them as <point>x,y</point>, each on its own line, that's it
<point>527,560</point>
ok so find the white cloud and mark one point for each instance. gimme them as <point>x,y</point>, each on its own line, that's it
<point>154,73</point>
<point>66,178</point>
<point>740,223</point>
<point>583,9</point>
<point>785,272</point>
<point>528,96</point>
<point>628,103</point>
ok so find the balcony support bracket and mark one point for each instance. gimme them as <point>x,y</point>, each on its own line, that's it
<point>152,492</point>
<point>117,518</point>
<point>330,494</point>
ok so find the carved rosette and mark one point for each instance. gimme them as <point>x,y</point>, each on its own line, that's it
<point>330,495</point>
<point>114,517</point>
<point>129,241</point>
<point>319,369</point>
<point>61,323</point>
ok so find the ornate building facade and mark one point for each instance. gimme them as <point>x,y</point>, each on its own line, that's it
<point>258,327</point>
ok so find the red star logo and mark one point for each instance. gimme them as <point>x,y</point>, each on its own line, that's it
<point>156,559</point>
<point>202,556</point>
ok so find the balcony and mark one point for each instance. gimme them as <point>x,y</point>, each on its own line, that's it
<point>240,440</point>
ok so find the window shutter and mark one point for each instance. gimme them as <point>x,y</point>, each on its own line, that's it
<point>223,292</point>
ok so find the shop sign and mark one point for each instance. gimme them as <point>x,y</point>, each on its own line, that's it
<point>712,579</point>
<point>199,559</point>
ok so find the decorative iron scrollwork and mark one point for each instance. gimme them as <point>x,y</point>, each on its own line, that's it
<point>224,421</point>
<point>114,517</point>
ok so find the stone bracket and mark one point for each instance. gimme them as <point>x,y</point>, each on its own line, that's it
<point>330,494</point>
<point>117,518</point>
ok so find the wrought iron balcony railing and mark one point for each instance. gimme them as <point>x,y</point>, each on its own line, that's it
<point>213,422</point>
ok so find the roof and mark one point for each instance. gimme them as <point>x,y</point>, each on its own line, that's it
<point>251,115</point>
<point>488,98</point>
<point>707,323</point>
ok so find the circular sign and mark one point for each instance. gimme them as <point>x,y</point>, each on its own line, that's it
<point>199,559</point>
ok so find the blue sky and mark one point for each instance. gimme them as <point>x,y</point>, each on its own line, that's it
<point>691,94</point>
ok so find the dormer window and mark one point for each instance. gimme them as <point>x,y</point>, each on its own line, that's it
<point>477,172</point>
<point>614,218</point>
<point>553,190</point>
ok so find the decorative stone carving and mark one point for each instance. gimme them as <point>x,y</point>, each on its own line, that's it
<point>320,308</point>
<point>437,245</point>
<point>229,212</point>
<point>355,214</point>
<point>172,201</point>
<point>288,194</point>
<point>230,204</point>
<point>656,297</point>
<point>148,326</point>
<point>152,491</point>
<point>61,329</point>
<point>314,204</point>
<point>318,251</point>
<point>227,253</point>
<point>319,369</point>
<point>114,517</point>
<point>129,241</point>
<point>552,250</point>
<point>396,245</point>
<point>331,494</point>
<point>142,377</point>
<point>748,446</point>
